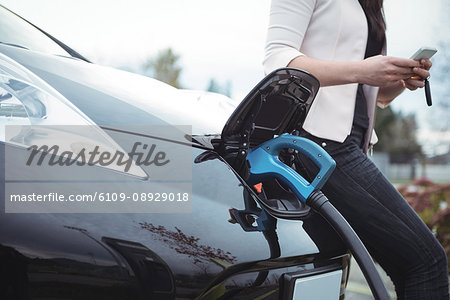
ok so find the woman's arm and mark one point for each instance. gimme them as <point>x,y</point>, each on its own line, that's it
<point>288,23</point>
<point>382,71</point>
<point>391,74</point>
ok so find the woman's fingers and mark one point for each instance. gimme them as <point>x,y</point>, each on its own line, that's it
<point>426,63</point>
<point>424,74</point>
<point>404,62</point>
<point>411,68</point>
<point>410,86</point>
<point>413,84</point>
<point>390,78</point>
<point>402,70</point>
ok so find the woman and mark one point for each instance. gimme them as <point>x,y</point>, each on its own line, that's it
<point>340,42</point>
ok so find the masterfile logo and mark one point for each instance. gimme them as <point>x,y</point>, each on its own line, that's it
<point>141,154</point>
<point>92,169</point>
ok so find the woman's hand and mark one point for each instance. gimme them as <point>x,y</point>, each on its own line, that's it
<point>389,92</point>
<point>421,72</point>
<point>386,70</point>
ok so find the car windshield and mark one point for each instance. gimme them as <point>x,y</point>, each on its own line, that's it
<point>15,31</point>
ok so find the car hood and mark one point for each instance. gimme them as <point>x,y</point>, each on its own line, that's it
<point>110,96</point>
<point>278,104</point>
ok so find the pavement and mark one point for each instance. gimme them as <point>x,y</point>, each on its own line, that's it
<point>357,287</point>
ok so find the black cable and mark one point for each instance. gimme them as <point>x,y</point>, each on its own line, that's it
<point>428,92</point>
<point>319,202</point>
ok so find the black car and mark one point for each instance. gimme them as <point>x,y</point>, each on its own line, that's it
<point>217,247</point>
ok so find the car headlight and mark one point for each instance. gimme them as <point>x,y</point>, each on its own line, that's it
<point>28,105</point>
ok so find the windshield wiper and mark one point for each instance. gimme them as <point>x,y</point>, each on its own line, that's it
<point>14,45</point>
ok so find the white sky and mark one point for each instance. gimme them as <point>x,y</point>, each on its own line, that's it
<point>221,39</point>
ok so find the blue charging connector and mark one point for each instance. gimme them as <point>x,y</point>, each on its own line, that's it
<point>264,164</point>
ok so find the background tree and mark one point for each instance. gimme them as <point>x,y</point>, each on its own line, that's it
<point>397,136</point>
<point>437,117</point>
<point>164,67</point>
<point>440,83</point>
<point>215,87</point>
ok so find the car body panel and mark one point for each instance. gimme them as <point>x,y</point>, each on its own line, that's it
<point>200,248</point>
<point>201,254</point>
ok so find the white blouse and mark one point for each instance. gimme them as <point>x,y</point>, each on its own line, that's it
<point>328,30</point>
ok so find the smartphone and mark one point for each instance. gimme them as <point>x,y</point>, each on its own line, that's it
<point>424,52</point>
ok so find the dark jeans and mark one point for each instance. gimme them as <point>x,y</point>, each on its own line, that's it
<point>390,229</point>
